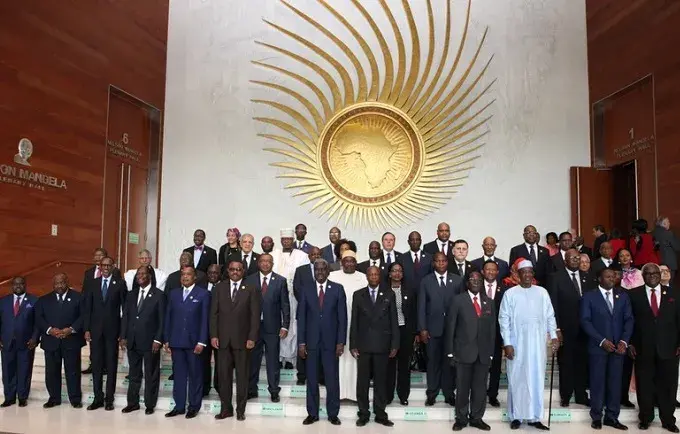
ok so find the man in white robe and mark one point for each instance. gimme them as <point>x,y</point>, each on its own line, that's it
<point>352,281</point>
<point>526,316</point>
<point>286,261</point>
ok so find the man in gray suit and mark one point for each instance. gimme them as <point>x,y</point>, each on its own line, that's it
<point>668,244</point>
<point>437,291</point>
<point>470,340</point>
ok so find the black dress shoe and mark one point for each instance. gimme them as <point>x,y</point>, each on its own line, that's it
<point>615,424</point>
<point>596,424</point>
<point>670,427</point>
<point>109,406</point>
<point>252,395</point>
<point>429,402</point>
<point>451,401</point>
<point>403,401</point>
<point>95,405</point>
<point>50,404</point>
<point>275,397</point>
<point>131,408</point>
<point>384,421</point>
<point>23,403</point>
<point>362,421</point>
<point>300,382</point>
<point>310,420</point>
<point>564,403</point>
<point>171,377</point>
<point>8,403</point>
<point>585,401</point>
<point>539,425</point>
<point>77,404</point>
<point>224,414</point>
<point>515,424</point>
<point>677,404</point>
<point>643,425</point>
<point>494,402</point>
<point>480,424</point>
<point>458,426</point>
<point>87,371</point>
<point>191,414</point>
<point>241,416</point>
<point>173,413</point>
<point>627,404</point>
<point>149,411</point>
<point>334,420</point>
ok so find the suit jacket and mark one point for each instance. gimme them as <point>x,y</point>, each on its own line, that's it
<point>175,280</point>
<point>249,270</point>
<point>328,253</point>
<point>557,263</point>
<point>186,321</point>
<point>470,337</point>
<point>409,305</point>
<point>597,266</point>
<point>208,257</point>
<point>469,268</point>
<point>542,267</point>
<point>434,302</point>
<point>89,276</point>
<point>15,331</point>
<point>275,303</point>
<point>224,252</point>
<point>503,267</point>
<point>497,300</point>
<point>322,327</point>
<point>412,275</point>
<point>566,300</point>
<point>236,321</point>
<point>363,267</point>
<point>305,246</point>
<point>101,317</point>
<point>668,246</point>
<point>596,245</point>
<point>434,246</point>
<point>374,327</point>
<point>599,324</point>
<point>304,276</point>
<point>659,335</point>
<point>141,327</point>
<point>51,313</point>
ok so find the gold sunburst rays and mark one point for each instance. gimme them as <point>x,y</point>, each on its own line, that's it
<point>376,155</point>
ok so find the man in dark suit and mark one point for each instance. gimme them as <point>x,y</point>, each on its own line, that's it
<point>175,278</point>
<point>275,321</point>
<point>442,243</point>
<point>600,237</point>
<point>246,255</point>
<point>59,316</point>
<point>322,335</point>
<point>669,244</point>
<point>530,250</point>
<point>607,319</point>
<point>202,255</point>
<point>461,266</point>
<point>214,278</point>
<point>605,259</point>
<point>18,339</point>
<point>566,287</point>
<point>436,294</point>
<point>375,259</point>
<point>300,234</point>
<point>494,290</point>
<point>470,343</point>
<point>234,328</point>
<point>103,299</point>
<point>303,277</point>
<point>374,339</point>
<point>416,263</point>
<point>186,333</point>
<point>558,261</point>
<point>489,248</point>
<point>142,335</point>
<point>328,252</point>
<point>655,346</point>
<point>389,254</point>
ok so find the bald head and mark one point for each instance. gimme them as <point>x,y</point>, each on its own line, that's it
<point>443,231</point>
<point>489,246</point>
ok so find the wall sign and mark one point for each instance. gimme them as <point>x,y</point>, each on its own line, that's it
<point>21,175</point>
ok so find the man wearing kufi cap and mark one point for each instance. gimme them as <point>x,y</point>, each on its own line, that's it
<point>286,259</point>
<point>526,316</point>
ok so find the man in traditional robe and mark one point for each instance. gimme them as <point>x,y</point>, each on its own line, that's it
<point>286,261</point>
<point>352,280</point>
<point>526,315</point>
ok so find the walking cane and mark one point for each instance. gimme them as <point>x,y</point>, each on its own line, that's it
<point>552,375</point>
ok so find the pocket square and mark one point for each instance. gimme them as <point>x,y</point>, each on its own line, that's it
<point>195,301</point>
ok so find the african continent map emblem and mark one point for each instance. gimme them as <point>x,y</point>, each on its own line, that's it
<point>383,146</point>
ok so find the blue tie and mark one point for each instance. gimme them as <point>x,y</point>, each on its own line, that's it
<point>186,293</point>
<point>373,295</point>
<point>105,288</point>
<point>389,258</point>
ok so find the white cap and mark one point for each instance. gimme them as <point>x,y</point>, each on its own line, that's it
<point>287,233</point>
<point>525,264</point>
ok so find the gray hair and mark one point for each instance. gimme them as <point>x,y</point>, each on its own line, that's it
<point>649,265</point>
<point>320,262</point>
<point>660,219</point>
<point>248,235</point>
<point>141,252</point>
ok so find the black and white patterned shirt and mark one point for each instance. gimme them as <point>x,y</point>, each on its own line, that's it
<point>400,314</point>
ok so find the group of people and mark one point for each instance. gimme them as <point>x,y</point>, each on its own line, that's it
<point>299,306</point>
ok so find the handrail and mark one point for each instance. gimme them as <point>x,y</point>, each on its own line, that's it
<point>57,263</point>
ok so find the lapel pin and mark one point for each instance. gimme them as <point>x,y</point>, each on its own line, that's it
<point>380,294</point>
<point>191,297</point>
<point>273,277</point>
<point>406,297</point>
<point>664,293</point>
<point>243,287</point>
<point>450,280</point>
<point>68,299</point>
<point>484,302</point>
<point>617,296</point>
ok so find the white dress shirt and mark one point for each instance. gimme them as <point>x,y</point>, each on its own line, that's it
<point>439,276</point>
<point>443,246</point>
<point>322,285</point>
<point>607,262</point>
<point>494,287</point>
<point>578,279</point>
<point>231,287</point>
<point>529,249</point>
<point>392,256</point>
<point>248,259</point>
<point>489,258</point>
<point>211,286</point>
<point>648,290</point>
<point>20,297</point>
<point>197,255</point>
<point>374,262</point>
<point>415,255</point>
<point>143,293</point>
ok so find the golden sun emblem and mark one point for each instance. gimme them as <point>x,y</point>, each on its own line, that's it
<point>387,155</point>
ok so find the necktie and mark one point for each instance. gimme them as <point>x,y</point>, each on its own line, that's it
<point>460,270</point>
<point>416,260</point>
<point>444,248</point>
<point>245,261</point>
<point>654,303</point>
<point>186,294</point>
<point>233,291</point>
<point>478,308</point>
<point>142,295</point>
<point>60,299</point>
<point>441,282</point>
<point>609,303</point>
<point>264,285</point>
<point>321,295</point>
<point>489,292</point>
<point>105,288</point>
<point>373,295</point>
<point>97,273</point>
<point>16,306</point>
<point>574,280</point>
<point>532,254</point>
<point>389,259</point>
<point>374,263</point>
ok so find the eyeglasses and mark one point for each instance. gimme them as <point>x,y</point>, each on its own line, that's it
<point>652,273</point>
<point>235,269</point>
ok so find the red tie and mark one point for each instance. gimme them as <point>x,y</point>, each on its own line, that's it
<point>489,293</point>
<point>654,303</point>
<point>478,308</point>
<point>443,250</point>
<point>16,307</point>
<point>97,272</point>
<point>264,286</point>
<point>321,295</point>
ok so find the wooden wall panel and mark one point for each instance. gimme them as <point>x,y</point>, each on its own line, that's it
<point>57,61</point>
<point>628,40</point>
